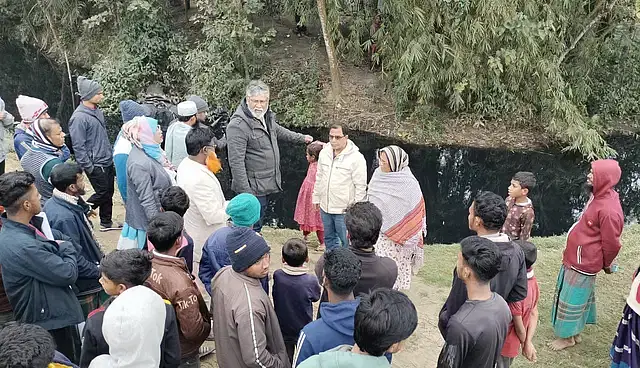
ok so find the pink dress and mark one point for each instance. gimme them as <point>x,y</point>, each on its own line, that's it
<point>308,218</point>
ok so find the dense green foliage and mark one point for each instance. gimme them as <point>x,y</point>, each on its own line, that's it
<point>571,68</point>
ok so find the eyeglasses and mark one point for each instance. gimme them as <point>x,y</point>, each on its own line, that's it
<point>335,137</point>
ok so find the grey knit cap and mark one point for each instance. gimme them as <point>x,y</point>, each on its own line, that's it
<point>201,104</point>
<point>88,88</point>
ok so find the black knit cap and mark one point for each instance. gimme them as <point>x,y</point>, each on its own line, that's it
<point>245,247</point>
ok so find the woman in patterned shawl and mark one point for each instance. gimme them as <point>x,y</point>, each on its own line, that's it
<point>396,192</point>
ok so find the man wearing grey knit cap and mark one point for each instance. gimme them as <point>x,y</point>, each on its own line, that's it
<point>93,151</point>
<point>220,139</point>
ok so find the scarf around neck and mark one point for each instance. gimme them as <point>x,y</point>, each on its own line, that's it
<point>147,128</point>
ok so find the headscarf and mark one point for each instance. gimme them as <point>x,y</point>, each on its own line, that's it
<point>40,140</point>
<point>147,128</point>
<point>398,196</point>
<point>129,131</point>
<point>398,158</point>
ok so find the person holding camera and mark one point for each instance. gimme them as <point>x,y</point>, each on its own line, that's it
<point>217,123</point>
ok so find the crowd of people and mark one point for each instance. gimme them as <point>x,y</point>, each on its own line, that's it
<point>191,265</point>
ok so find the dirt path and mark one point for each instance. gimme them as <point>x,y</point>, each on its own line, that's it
<point>421,350</point>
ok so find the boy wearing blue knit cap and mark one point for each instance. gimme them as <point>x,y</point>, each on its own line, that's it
<point>244,211</point>
<point>245,324</point>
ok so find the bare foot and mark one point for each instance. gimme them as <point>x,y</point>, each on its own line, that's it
<point>560,344</point>
<point>577,338</point>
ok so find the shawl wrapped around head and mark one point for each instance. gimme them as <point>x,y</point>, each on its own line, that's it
<point>398,196</point>
<point>140,132</point>
<point>40,140</point>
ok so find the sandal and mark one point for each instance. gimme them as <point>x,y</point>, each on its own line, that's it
<point>205,350</point>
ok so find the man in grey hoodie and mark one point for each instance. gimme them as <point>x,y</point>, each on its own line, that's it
<point>6,121</point>
<point>92,149</point>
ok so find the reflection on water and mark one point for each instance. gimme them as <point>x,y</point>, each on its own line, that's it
<point>451,176</point>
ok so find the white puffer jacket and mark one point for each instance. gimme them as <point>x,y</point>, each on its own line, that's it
<point>341,180</point>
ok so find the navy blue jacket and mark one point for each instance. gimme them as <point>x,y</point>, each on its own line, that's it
<point>293,298</point>
<point>69,219</point>
<point>335,328</point>
<point>37,274</point>
<point>215,256</point>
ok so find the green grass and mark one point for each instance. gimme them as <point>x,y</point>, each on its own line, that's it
<point>611,293</point>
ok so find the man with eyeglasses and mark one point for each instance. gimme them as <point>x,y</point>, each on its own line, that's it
<point>341,181</point>
<point>252,142</point>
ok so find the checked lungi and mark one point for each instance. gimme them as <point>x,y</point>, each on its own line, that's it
<point>574,303</point>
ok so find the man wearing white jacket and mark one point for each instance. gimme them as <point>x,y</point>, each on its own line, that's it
<point>206,212</point>
<point>341,180</point>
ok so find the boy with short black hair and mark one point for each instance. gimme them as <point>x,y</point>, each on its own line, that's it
<point>122,270</point>
<point>525,315</point>
<point>384,320</point>
<point>520,214</point>
<point>341,272</point>
<point>29,346</point>
<point>68,213</point>
<point>294,292</point>
<point>171,278</point>
<point>475,334</point>
<point>175,199</point>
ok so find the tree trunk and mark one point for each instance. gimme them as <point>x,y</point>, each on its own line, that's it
<point>336,86</point>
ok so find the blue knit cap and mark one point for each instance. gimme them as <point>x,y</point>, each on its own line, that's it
<point>244,210</point>
<point>245,247</point>
<point>130,109</point>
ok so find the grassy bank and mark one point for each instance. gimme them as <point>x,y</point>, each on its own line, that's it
<point>611,293</point>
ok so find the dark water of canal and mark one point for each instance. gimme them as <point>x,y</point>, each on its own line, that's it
<point>451,176</point>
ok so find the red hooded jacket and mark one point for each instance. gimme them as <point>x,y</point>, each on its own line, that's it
<point>594,241</point>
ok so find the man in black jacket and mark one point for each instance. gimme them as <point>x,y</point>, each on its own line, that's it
<point>364,221</point>
<point>37,271</point>
<point>122,270</point>
<point>487,214</point>
<point>67,212</point>
<point>252,143</point>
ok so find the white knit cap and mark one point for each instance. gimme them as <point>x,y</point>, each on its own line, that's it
<point>187,108</point>
<point>30,108</point>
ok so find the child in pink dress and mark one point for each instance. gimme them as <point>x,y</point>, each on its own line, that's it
<point>305,215</point>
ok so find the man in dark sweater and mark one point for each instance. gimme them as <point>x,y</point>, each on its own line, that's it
<point>294,292</point>
<point>37,272</point>
<point>363,221</point>
<point>67,212</point>
<point>476,332</point>
<point>486,216</point>
<point>92,149</point>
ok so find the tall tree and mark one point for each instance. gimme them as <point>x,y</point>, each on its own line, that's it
<point>336,84</point>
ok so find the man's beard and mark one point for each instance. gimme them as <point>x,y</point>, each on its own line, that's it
<point>259,114</point>
<point>81,192</point>
<point>588,188</point>
<point>213,162</point>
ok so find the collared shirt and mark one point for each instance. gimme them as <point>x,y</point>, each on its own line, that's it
<point>497,237</point>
